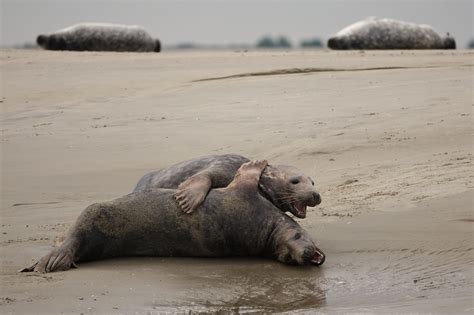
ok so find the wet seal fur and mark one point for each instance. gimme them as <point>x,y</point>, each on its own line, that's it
<point>379,33</point>
<point>232,221</point>
<point>100,37</point>
<point>194,178</point>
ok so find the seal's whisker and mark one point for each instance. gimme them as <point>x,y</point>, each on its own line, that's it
<point>289,196</point>
<point>287,199</point>
<point>292,195</point>
<point>286,193</point>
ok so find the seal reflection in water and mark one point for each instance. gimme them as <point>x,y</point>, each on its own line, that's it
<point>100,37</point>
<point>232,221</point>
<point>194,178</point>
<point>377,33</point>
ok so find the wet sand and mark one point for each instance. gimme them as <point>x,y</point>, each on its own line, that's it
<point>387,135</point>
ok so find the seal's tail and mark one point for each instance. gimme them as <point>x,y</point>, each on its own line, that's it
<point>58,260</point>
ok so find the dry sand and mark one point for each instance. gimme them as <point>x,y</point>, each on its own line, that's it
<point>387,135</point>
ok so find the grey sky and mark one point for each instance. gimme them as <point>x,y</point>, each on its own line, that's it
<point>227,21</point>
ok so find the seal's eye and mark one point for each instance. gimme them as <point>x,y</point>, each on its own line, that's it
<point>297,236</point>
<point>294,181</point>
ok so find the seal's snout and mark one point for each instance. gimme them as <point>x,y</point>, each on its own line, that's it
<point>332,43</point>
<point>313,256</point>
<point>318,258</point>
<point>41,40</point>
<point>314,199</point>
<point>304,199</point>
<point>336,43</point>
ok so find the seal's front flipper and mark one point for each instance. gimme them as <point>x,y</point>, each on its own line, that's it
<point>59,259</point>
<point>248,175</point>
<point>192,192</point>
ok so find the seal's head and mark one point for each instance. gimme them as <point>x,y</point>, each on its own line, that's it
<point>345,42</point>
<point>295,247</point>
<point>338,42</point>
<point>52,42</point>
<point>42,40</point>
<point>289,189</point>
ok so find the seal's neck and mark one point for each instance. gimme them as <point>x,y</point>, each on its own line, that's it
<point>277,235</point>
<point>266,187</point>
<point>264,193</point>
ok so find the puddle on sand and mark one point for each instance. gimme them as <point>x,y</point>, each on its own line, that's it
<point>244,286</point>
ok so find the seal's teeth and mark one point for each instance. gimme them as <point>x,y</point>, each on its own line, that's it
<point>301,208</point>
<point>318,258</point>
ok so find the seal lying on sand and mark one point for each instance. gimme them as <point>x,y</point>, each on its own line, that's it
<point>232,221</point>
<point>194,178</point>
<point>100,37</point>
<point>376,33</point>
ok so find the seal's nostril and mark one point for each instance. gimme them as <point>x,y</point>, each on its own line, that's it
<point>317,198</point>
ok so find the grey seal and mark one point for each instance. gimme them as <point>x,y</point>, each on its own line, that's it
<point>381,33</point>
<point>232,221</point>
<point>194,178</point>
<point>100,37</point>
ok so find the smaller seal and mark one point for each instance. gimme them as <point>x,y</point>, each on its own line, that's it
<point>194,178</point>
<point>379,33</point>
<point>100,37</point>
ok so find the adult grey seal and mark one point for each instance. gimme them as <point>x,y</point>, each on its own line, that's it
<point>194,178</point>
<point>100,37</point>
<point>380,33</point>
<point>232,221</point>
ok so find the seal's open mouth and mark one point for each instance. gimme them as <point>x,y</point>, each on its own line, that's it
<point>318,258</point>
<point>313,256</point>
<point>298,209</point>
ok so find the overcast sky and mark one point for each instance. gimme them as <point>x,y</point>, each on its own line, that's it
<point>230,21</point>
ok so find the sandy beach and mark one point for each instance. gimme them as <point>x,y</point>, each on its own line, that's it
<point>386,135</point>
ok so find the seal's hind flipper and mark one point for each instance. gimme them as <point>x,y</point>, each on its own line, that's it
<point>59,259</point>
<point>248,175</point>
